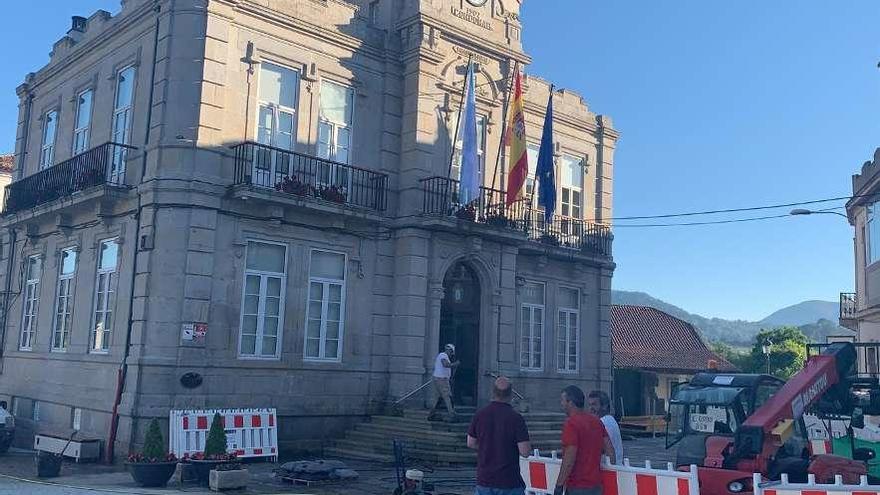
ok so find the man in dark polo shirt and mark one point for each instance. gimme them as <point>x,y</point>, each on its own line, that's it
<point>500,436</point>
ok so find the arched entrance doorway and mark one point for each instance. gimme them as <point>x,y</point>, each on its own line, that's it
<point>460,325</point>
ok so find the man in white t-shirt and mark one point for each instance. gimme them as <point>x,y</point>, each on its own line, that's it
<point>443,365</point>
<point>599,404</point>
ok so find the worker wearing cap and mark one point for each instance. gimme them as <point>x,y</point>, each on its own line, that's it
<point>443,365</point>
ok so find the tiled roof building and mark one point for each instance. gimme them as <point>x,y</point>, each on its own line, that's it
<point>647,338</point>
<point>652,352</point>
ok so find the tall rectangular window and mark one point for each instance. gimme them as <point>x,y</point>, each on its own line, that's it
<point>83,122</point>
<point>262,317</point>
<point>105,288</point>
<point>33,273</point>
<point>279,92</point>
<point>334,134</point>
<point>122,122</point>
<point>482,122</point>
<point>276,125</point>
<point>872,248</point>
<point>64,300</point>
<point>334,122</point>
<point>47,150</point>
<point>532,327</point>
<point>536,212</point>
<point>567,330</point>
<point>326,307</point>
<point>572,197</point>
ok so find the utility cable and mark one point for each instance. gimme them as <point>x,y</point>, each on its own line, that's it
<point>737,210</point>
<point>715,222</point>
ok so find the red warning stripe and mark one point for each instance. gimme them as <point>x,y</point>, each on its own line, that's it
<point>683,487</point>
<point>538,475</point>
<point>646,484</point>
<point>609,483</point>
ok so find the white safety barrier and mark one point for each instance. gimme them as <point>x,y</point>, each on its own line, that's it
<point>783,487</point>
<point>249,432</point>
<point>540,474</point>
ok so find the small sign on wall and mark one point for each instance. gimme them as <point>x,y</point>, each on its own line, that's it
<point>194,333</point>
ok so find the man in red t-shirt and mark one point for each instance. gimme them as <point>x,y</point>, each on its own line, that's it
<point>584,440</point>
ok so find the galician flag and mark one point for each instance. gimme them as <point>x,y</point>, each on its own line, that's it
<point>516,139</point>
<point>470,160</point>
<point>544,171</point>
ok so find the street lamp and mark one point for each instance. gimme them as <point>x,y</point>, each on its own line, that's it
<point>765,348</point>
<point>802,211</point>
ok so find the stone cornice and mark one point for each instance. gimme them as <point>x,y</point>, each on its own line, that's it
<point>85,48</point>
<point>333,36</point>
<point>465,38</point>
<point>564,118</point>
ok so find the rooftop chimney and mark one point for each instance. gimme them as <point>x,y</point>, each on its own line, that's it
<point>78,24</point>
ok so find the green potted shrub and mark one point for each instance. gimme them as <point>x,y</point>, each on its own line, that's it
<point>215,452</point>
<point>153,466</point>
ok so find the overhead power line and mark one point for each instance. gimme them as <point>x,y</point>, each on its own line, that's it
<point>739,210</point>
<point>715,222</point>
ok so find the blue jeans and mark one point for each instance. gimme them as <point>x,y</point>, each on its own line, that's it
<point>484,490</point>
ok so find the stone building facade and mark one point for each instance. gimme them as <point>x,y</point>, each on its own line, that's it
<point>860,310</point>
<point>242,203</point>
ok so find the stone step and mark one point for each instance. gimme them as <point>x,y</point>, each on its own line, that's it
<point>392,430</point>
<point>443,426</point>
<point>445,441</point>
<point>428,455</point>
<point>529,416</point>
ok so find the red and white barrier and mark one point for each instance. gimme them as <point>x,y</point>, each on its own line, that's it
<point>783,487</point>
<point>249,432</point>
<point>540,474</point>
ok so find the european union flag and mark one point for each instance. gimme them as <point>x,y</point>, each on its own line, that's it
<point>544,171</point>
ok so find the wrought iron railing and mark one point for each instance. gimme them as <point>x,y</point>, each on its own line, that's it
<point>442,197</point>
<point>571,233</point>
<point>848,306</point>
<point>104,164</point>
<point>309,176</point>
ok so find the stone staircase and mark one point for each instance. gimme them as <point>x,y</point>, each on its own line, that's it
<point>433,442</point>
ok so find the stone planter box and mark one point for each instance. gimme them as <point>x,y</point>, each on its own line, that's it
<point>228,480</point>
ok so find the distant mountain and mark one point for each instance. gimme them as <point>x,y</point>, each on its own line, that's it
<point>803,313</point>
<point>740,332</point>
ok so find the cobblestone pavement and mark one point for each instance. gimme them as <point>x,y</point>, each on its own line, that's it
<point>17,477</point>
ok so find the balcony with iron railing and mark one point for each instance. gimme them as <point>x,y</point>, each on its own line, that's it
<point>103,165</point>
<point>441,198</point>
<point>308,177</point>
<point>848,306</point>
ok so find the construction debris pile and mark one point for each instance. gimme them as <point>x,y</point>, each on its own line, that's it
<point>315,471</point>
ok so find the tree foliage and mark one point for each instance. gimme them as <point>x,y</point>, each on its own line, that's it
<point>154,444</point>
<point>737,356</point>
<point>215,445</point>
<point>788,351</point>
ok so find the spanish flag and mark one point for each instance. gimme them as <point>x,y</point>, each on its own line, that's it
<point>516,139</point>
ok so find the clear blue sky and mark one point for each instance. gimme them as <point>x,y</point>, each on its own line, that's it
<point>720,105</point>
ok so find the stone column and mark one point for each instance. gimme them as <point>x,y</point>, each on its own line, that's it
<point>409,319</point>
